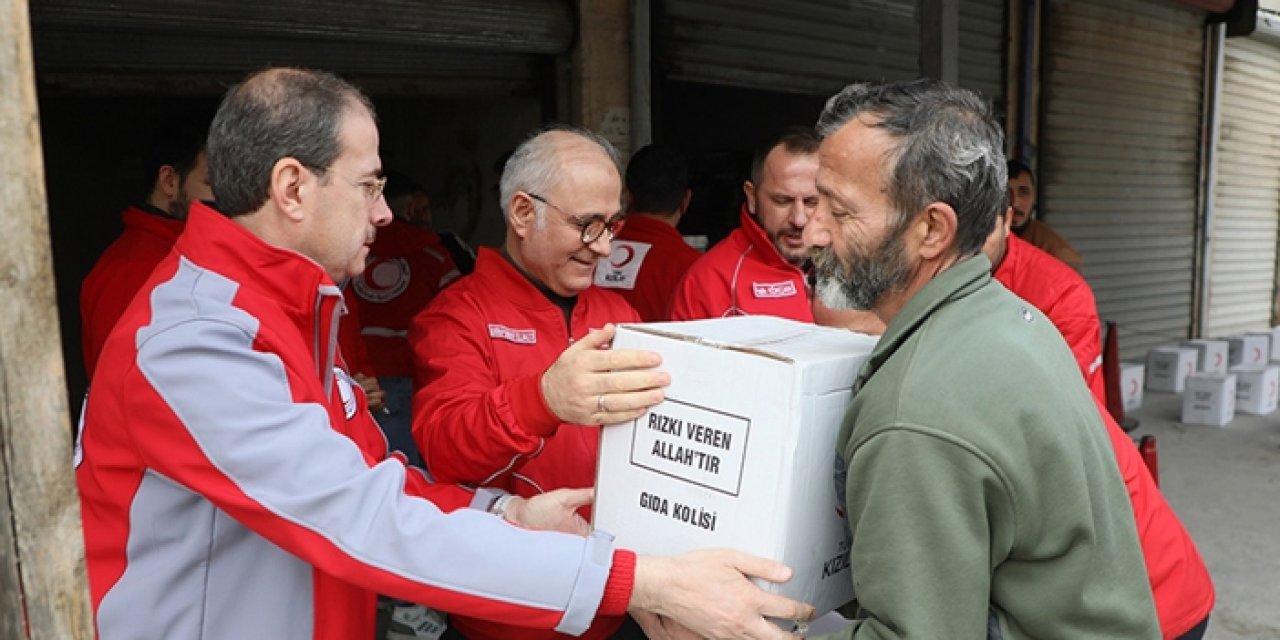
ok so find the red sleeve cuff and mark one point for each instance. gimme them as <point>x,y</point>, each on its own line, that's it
<point>530,407</point>
<point>617,590</point>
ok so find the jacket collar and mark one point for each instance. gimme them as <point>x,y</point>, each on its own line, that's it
<point>750,234</point>
<point>503,276</point>
<point>153,221</point>
<point>955,283</point>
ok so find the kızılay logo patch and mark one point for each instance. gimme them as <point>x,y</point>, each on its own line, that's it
<point>785,289</point>
<point>518,336</point>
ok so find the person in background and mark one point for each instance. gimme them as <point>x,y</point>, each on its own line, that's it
<point>759,268</point>
<point>649,255</point>
<point>514,378</point>
<point>407,267</point>
<point>1022,197</point>
<point>232,482</point>
<point>176,173</point>
<point>1180,582</point>
<point>978,480</point>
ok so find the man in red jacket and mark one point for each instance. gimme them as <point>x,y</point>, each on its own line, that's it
<point>1180,582</point>
<point>176,174</point>
<point>649,255</point>
<point>232,481</point>
<point>758,269</point>
<point>513,372</point>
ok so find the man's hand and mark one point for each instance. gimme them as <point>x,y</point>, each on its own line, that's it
<point>552,511</point>
<point>373,392</point>
<point>592,384</point>
<point>708,592</point>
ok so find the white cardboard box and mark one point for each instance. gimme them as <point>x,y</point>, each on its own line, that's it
<point>1131,375</point>
<point>1213,354</point>
<point>741,453</point>
<point>1168,368</point>
<point>1209,399</point>
<point>1256,389</point>
<point>1250,350</point>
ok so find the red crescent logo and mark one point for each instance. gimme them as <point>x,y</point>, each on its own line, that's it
<point>1133,387</point>
<point>1217,360</point>
<point>630,253</point>
<point>1257,354</point>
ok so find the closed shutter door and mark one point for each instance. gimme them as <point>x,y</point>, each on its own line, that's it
<point>1242,241</point>
<point>982,48</point>
<point>800,46</point>
<point>451,47</point>
<point>1118,160</point>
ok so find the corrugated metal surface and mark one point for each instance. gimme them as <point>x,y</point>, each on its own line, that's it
<point>444,46</point>
<point>1246,206</point>
<point>801,46</point>
<point>982,48</point>
<point>1118,161</point>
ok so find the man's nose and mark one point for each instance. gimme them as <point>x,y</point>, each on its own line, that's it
<point>815,232</point>
<point>381,214</point>
<point>601,246</point>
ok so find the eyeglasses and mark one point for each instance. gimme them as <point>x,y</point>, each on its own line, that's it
<point>592,226</point>
<point>372,187</point>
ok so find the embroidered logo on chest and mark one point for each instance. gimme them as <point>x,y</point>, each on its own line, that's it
<point>383,279</point>
<point>518,336</point>
<point>785,289</point>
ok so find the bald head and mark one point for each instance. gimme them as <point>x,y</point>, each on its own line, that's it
<point>542,161</point>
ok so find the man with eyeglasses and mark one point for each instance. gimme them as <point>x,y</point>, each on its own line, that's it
<point>512,360</point>
<point>232,481</point>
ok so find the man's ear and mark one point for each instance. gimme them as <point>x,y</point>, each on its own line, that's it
<point>936,230</point>
<point>168,182</point>
<point>522,214</point>
<point>291,183</point>
<point>749,188</point>
<point>684,202</point>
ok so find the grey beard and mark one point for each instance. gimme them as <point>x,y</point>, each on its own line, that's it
<point>867,279</point>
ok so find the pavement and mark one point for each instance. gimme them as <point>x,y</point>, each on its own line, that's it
<point>1224,484</point>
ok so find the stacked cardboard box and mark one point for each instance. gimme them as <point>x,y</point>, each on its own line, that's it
<point>1168,368</point>
<point>1210,399</point>
<point>1256,389</point>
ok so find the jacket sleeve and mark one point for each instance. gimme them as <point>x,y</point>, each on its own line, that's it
<point>923,553</point>
<point>470,425</point>
<point>237,426</point>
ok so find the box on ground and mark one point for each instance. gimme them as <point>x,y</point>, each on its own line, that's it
<point>1168,368</point>
<point>1256,389</point>
<point>1131,375</point>
<point>1250,350</point>
<point>1212,355</point>
<point>1209,399</point>
<point>741,452</point>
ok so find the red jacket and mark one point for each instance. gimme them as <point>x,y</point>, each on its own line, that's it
<point>119,273</point>
<point>479,416</point>
<point>1180,583</point>
<point>742,275</point>
<point>649,257</point>
<point>407,267</point>
<point>234,485</point>
<point>1060,293</point>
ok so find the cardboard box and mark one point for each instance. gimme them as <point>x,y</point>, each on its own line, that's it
<point>1250,350</point>
<point>742,451</point>
<point>1256,389</point>
<point>1168,368</point>
<point>1131,375</point>
<point>1209,399</point>
<point>1213,355</point>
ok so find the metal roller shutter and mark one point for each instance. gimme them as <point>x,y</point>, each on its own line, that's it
<point>447,46</point>
<point>803,46</point>
<point>1118,161</point>
<point>1242,242</point>
<point>982,48</point>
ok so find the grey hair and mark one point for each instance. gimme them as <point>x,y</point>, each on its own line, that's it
<point>535,165</point>
<point>948,149</point>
